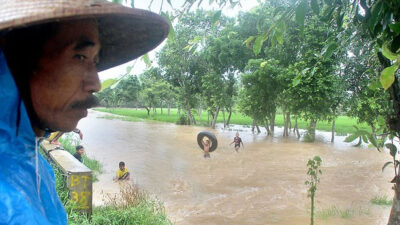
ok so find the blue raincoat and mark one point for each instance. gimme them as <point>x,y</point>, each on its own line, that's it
<point>27,184</point>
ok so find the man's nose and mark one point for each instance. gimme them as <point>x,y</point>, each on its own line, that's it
<point>92,81</point>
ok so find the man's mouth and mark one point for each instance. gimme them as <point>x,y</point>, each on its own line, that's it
<point>87,103</point>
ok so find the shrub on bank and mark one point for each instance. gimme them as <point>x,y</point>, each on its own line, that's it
<point>69,144</point>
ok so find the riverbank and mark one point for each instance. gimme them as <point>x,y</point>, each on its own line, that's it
<point>343,124</point>
<point>129,206</point>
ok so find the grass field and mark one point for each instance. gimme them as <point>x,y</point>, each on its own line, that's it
<point>344,124</point>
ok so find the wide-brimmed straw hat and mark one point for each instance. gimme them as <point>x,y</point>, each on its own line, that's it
<point>125,33</point>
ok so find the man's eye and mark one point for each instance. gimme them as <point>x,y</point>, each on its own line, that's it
<point>80,57</point>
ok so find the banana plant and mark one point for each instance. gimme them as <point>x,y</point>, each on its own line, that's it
<point>363,136</point>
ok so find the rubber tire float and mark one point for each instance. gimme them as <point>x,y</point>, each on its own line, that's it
<point>210,136</point>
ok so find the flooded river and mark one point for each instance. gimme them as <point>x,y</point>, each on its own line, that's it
<point>262,184</point>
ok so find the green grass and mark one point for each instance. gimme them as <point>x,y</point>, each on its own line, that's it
<point>124,118</point>
<point>334,211</point>
<point>344,124</point>
<point>69,145</point>
<point>382,200</point>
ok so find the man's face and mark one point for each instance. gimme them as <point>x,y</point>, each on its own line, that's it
<point>66,77</point>
<point>237,134</point>
<point>81,151</point>
<point>122,167</point>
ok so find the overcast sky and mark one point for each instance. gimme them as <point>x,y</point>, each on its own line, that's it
<point>139,66</point>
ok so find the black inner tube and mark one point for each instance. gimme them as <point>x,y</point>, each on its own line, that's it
<point>210,136</point>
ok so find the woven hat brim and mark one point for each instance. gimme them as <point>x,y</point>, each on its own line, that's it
<point>126,37</point>
<point>125,33</point>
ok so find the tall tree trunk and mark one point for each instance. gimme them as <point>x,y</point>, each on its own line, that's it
<point>161,107</point>
<point>272,123</point>
<point>394,218</point>
<point>311,129</point>
<point>290,123</point>
<point>179,110</point>
<point>223,116</point>
<point>190,117</point>
<point>266,125</point>
<point>148,110</point>
<point>296,129</point>
<point>284,124</point>
<point>169,108</point>
<point>215,119</point>
<point>253,125</point>
<point>229,117</point>
<point>258,129</point>
<point>333,130</point>
<point>212,118</point>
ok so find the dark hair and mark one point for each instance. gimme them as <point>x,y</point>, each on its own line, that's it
<point>121,164</point>
<point>23,48</point>
<point>79,147</point>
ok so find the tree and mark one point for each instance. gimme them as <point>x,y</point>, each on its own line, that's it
<point>182,63</point>
<point>261,88</point>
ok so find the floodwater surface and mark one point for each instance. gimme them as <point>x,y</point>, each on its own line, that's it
<point>261,184</point>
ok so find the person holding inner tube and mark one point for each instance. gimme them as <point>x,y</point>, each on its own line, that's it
<point>206,148</point>
<point>237,140</point>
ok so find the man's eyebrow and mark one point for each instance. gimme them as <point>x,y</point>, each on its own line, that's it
<point>83,43</point>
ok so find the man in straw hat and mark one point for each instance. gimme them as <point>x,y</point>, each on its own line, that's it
<point>50,54</point>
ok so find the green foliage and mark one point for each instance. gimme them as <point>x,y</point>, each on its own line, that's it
<point>301,11</point>
<point>125,92</point>
<point>363,136</point>
<point>335,211</point>
<point>107,83</point>
<point>259,96</point>
<point>387,76</point>
<point>381,200</point>
<point>182,120</point>
<point>313,173</point>
<point>69,144</point>
<point>393,152</point>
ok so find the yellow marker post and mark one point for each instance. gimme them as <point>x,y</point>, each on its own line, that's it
<point>79,177</point>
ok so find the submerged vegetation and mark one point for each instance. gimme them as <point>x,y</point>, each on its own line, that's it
<point>382,200</point>
<point>336,212</point>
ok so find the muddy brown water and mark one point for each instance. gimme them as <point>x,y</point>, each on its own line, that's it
<point>262,184</point>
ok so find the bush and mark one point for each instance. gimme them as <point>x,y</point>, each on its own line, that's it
<point>182,120</point>
<point>69,144</point>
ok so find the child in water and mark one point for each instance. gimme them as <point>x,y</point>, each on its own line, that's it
<point>206,148</point>
<point>237,140</point>
<point>122,173</point>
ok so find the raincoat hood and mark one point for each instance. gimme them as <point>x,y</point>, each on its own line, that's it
<point>27,183</point>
